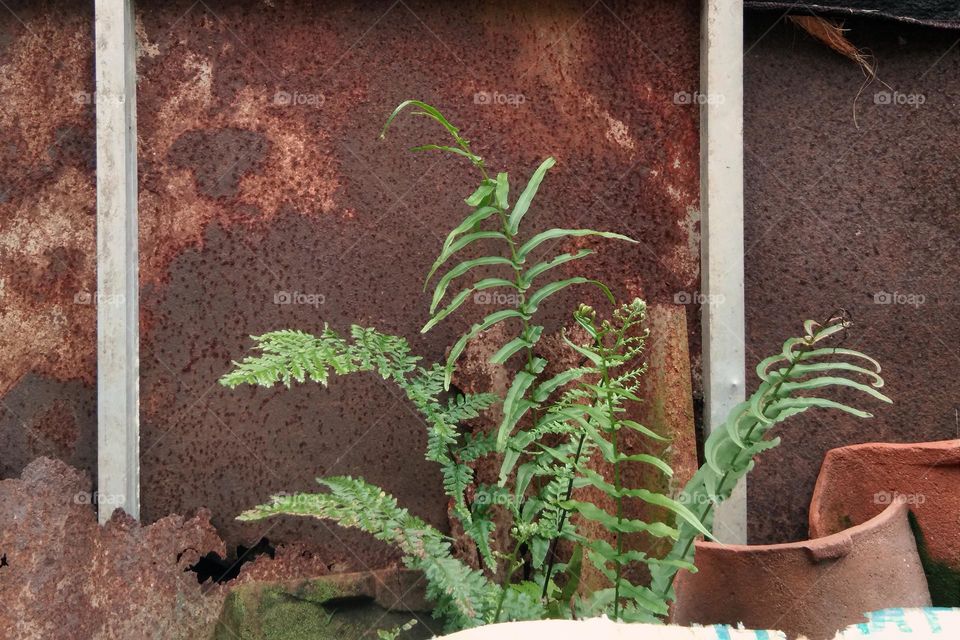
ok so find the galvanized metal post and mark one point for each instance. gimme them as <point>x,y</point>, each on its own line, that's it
<point>118,437</point>
<point>721,197</point>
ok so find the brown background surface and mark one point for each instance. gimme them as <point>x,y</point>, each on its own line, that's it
<point>839,211</point>
<point>47,235</point>
<point>242,198</point>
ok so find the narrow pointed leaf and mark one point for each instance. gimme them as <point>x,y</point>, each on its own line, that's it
<point>533,302</point>
<point>526,197</point>
<point>503,191</point>
<point>514,405</point>
<point>460,270</point>
<point>552,234</point>
<point>832,381</point>
<point>480,195</point>
<point>515,345</point>
<point>544,389</point>
<point>541,267</point>
<point>475,159</point>
<point>458,300</point>
<point>585,352</point>
<point>428,110</point>
<point>461,344</point>
<point>460,243</point>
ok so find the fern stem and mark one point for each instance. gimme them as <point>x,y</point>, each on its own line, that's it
<point>611,421</point>
<point>511,568</point>
<point>552,553</point>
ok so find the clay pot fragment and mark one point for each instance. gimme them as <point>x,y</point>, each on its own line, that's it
<point>859,481</point>
<point>811,588</point>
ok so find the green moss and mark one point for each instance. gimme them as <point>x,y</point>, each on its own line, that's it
<point>943,581</point>
<point>317,610</point>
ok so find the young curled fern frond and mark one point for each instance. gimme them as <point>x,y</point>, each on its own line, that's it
<point>787,382</point>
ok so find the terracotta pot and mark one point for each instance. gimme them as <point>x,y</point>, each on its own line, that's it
<point>859,481</point>
<point>813,587</point>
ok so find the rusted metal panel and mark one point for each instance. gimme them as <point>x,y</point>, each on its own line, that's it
<point>262,177</point>
<point>47,221</point>
<point>854,213</point>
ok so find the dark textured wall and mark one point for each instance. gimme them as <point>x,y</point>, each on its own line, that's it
<point>261,173</point>
<point>851,201</point>
<point>47,235</point>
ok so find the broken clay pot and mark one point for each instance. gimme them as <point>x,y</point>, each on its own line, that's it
<point>859,481</point>
<point>810,588</point>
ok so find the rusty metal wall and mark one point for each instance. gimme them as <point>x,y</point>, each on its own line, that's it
<point>261,174</point>
<point>851,201</point>
<point>47,235</point>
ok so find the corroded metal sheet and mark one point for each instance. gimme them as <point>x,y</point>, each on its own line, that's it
<point>852,204</point>
<point>47,234</point>
<point>268,202</point>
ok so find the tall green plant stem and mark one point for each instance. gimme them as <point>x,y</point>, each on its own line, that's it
<point>512,566</point>
<point>616,482</point>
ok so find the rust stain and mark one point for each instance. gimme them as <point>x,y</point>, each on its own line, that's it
<point>47,234</point>
<point>307,199</point>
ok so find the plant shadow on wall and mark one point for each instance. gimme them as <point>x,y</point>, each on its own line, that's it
<point>555,425</point>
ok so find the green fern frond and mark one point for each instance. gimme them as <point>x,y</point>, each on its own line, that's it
<point>464,597</point>
<point>730,449</point>
<point>295,356</point>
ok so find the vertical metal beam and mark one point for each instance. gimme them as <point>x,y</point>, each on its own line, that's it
<point>118,334</point>
<point>721,197</point>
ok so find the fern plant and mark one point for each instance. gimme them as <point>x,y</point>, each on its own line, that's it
<point>803,366</point>
<point>559,433</point>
